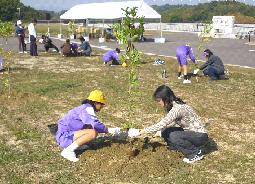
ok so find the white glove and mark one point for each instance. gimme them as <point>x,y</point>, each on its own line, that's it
<point>196,71</point>
<point>133,132</point>
<point>41,40</point>
<point>114,131</point>
<point>157,134</point>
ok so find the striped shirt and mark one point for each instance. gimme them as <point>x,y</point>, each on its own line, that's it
<point>182,115</point>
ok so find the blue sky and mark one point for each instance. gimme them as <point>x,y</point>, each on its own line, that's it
<point>58,5</point>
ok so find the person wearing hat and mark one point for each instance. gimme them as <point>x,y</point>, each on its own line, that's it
<point>213,67</point>
<point>112,55</point>
<point>20,32</point>
<point>80,125</point>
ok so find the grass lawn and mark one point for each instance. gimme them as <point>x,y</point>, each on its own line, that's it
<point>45,87</point>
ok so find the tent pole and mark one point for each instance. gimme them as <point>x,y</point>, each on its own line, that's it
<point>160,29</point>
<point>103,29</point>
<point>60,28</point>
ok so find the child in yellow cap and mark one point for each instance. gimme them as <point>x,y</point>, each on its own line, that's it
<point>80,125</point>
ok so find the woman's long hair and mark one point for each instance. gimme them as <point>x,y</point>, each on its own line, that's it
<point>92,103</point>
<point>168,97</point>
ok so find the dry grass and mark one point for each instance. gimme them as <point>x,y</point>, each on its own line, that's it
<point>44,88</point>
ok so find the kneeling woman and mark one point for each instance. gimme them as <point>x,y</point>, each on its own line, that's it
<point>80,125</point>
<point>213,67</point>
<point>191,133</point>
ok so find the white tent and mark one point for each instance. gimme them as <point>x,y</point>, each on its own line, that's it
<point>109,10</point>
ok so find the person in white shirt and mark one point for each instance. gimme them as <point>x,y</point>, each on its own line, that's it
<point>32,37</point>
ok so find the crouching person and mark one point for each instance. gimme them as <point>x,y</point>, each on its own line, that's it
<point>48,43</point>
<point>213,67</point>
<point>85,48</point>
<point>112,56</point>
<point>80,125</point>
<point>191,133</point>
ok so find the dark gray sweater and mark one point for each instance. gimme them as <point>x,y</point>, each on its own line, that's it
<point>215,62</point>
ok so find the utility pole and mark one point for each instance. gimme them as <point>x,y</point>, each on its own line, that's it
<point>19,12</point>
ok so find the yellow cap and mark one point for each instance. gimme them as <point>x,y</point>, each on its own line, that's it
<point>97,96</point>
<point>124,64</point>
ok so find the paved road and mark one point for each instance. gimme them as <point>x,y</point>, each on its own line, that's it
<point>232,51</point>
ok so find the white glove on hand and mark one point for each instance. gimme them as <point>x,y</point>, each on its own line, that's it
<point>41,40</point>
<point>196,71</point>
<point>133,132</point>
<point>114,131</point>
<point>157,134</point>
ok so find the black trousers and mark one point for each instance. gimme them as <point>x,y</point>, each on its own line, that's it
<point>33,46</point>
<point>22,45</point>
<point>187,142</point>
<point>115,62</point>
<point>48,46</point>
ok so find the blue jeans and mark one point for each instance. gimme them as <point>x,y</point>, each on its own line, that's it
<point>213,73</point>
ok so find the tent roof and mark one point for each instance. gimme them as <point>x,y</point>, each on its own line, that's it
<point>109,10</point>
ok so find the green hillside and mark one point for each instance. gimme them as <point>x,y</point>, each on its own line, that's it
<point>204,12</point>
<point>11,10</point>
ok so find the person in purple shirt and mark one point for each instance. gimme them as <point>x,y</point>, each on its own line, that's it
<point>80,125</point>
<point>181,53</point>
<point>112,55</point>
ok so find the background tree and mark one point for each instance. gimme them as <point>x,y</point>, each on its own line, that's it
<point>10,10</point>
<point>205,12</point>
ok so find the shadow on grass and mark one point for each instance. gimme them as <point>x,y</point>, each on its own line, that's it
<point>14,69</point>
<point>107,141</point>
<point>210,146</point>
<point>102,142</point>
<point>136,145</point>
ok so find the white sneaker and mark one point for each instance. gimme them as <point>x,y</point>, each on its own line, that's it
<point>194,159</point>
<point>69,155</point>
<point>197,157</point>
<point>181,77</point>
<point>25,52</point>
<point>21,52</point>
<point>187,81</point>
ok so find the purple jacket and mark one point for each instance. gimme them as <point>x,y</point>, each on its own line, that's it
<point>184,50</point>
<point>110,55</point>
<point>77,118</point>
<point>74,46</point>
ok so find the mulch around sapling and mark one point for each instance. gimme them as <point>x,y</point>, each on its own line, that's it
<point>130,158</point>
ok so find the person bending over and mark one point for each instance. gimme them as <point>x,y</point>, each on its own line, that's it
<point>112,55</point>
<point>181,53</point>
<point>48,43</point>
